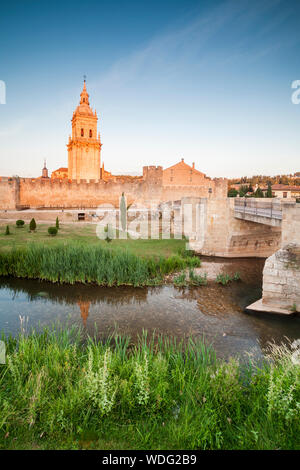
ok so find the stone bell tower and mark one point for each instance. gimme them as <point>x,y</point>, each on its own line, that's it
<point>84,146</point>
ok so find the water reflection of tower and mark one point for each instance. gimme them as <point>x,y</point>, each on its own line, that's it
<point>84,309</point>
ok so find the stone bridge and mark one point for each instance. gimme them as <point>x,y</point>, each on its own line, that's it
<point>232,227</point>
<point>252,228</point>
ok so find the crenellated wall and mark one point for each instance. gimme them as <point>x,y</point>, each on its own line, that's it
<point>65,194</point>
<point>56,193</point>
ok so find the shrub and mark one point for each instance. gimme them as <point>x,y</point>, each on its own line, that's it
<point>52,231</point>
<point>57,223</point>
<point>7,232</point>
<point>20,223</point>
<point>232,192</point>
<point>32,225</point>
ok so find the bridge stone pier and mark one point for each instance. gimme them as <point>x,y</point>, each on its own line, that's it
<point>252,228</point>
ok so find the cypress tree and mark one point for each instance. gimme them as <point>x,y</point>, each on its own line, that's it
<point>269,190</point>
<point>32,225</point>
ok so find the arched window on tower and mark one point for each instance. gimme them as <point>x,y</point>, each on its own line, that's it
<point>91,133</point>
<point>82,132</point>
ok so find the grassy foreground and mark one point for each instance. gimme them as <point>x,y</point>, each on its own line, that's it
<point>57,392</point>
<point>77,262</point>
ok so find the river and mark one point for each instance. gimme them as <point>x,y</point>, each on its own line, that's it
<point>214,312</point>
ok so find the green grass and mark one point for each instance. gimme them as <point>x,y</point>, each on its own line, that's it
<point>86,233</point>
<point>76,254</point>
<point>79,262</point>
<point>193,280</point>
<point>224,278</point>
<point>57,392</point>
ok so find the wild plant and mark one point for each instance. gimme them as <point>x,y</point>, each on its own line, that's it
<point>180,280</point>
<point>142,382</point>
<point>100,386</point>
<point>196,279</point>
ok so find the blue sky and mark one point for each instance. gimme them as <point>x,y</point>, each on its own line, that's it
<point>209,81</point>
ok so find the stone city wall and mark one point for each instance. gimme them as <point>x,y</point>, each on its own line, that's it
<point>51,193</point>
<point>9,193</point>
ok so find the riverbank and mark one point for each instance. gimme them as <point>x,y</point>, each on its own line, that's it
<point>59,393</point>
<point>92,264</point>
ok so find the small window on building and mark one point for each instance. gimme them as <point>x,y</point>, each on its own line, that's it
<point>83,100</point>
<point>285,194</point>
<point>190,179</point>
<point>91,133</point>
<point>171,179</point>
<point>82,132</point>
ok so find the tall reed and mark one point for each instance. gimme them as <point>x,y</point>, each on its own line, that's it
<point>76,262</point>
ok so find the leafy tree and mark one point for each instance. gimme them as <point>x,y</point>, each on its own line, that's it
<point>32,225</point>
<point>20,223</point>
<point>232,192</point>
<point>7,232</point>
<point>57,223</point>
<point>243,190</point>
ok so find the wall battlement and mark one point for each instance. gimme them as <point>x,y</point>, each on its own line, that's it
<point>153,173</point>
<point>39,193</point>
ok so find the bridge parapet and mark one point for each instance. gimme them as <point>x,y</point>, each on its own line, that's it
<point>290,222</point>
<point>258,210</point>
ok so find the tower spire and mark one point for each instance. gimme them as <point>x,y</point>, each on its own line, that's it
<point>84,96</point>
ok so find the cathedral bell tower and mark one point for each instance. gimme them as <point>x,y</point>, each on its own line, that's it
<point>84,146</point>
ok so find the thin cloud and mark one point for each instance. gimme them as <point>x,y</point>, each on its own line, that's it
<point>200,42</point>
